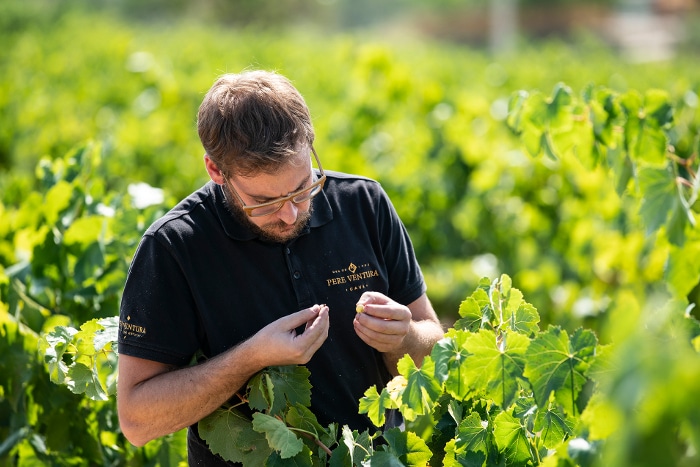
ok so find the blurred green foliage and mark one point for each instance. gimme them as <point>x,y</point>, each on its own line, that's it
<point>428,120</point>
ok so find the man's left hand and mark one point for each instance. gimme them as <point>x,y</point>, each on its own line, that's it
<point>382,323</point>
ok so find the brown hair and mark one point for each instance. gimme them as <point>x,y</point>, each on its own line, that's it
<point>252,122</point>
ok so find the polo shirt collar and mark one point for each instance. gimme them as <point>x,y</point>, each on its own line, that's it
<point>322,214</point>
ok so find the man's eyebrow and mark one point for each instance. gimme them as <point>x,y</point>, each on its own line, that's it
<point>265,199</point>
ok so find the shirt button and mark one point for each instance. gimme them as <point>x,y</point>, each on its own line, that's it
<point>297,274</point>
<point>289,252</point>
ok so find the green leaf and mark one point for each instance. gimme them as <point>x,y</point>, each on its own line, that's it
<point>496,363</point>
<point>303,459</point>
<point>375,405</point>
<point>382,459</point>
<point>52,346</point>
<point>301,417</point>
<point>524,319</point>
<point>554,427</point>
<point>422,390</point>
<point>278,435</point>
<point>557,365</point>
<point>512,440</point>
<point>449,355</point>
<point>57,199</point>
<point>408,447</point>
<point>83,379</point>
<point>83,231</point>
<point>683,268</point>
<point>658,107</point>
<point>222,430</point>
<point>472,435</point>
<point>660,201</point>
<point>290,383</point>
<point>358,445</point>
<point>471,315</point>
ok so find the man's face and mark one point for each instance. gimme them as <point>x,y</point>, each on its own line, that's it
<point>290,220</point>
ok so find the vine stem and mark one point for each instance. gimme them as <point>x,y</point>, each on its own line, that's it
<point>318,442</point>
<point>307,435</point>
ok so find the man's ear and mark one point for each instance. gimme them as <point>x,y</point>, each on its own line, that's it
<point>213,170</point>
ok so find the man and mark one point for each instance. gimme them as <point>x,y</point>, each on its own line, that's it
<point>265,266</point>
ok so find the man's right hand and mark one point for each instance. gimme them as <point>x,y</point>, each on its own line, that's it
<point>280,344</point>
<point>155,399</point>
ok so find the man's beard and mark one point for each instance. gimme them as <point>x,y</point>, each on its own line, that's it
<point>269,232</point>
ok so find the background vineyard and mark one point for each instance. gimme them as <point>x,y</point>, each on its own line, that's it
<point>93,104</point>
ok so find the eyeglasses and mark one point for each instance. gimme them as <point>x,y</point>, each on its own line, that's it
<point>271,207</point>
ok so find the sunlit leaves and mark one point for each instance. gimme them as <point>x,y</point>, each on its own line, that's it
<point>422,390</point>
<point>408,447</point>
<point>557,364</point>
<point>83,360</point>
<point>495,365</point>
<point>512,439</point>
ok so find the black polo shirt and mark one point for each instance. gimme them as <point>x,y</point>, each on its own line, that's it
<point>201,280</point>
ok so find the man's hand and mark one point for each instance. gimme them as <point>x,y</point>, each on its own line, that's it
<point>279,343</point>
<point>382,322</point>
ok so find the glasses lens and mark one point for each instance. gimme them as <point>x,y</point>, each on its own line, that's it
<point>265,210</point>
<point>308,194</point>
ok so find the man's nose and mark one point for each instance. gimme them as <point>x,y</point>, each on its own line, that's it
<point>288,213</point>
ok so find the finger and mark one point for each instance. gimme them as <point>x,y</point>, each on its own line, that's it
<point>393,311</point>
<point>316,329</point>
<point>382,325</point>
<point>295,320</point>
<point>373,297</point>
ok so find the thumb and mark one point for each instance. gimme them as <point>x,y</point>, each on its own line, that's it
<point>300,317</point>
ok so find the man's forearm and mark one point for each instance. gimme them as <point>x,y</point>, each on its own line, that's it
<point>418,343</point>
<point>170,401</point>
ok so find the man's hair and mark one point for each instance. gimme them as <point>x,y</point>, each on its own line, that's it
<point>253,122</point>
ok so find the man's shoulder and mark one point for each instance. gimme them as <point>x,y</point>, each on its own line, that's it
<point>347,182</point>
<point>181,215</point>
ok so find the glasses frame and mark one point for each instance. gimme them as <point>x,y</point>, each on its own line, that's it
<point>249,210</point>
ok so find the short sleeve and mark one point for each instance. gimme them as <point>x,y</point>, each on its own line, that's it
<point>158,318</point>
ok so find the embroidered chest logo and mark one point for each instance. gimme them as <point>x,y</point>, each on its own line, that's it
<point>128,329</point>
<point>352,277</point>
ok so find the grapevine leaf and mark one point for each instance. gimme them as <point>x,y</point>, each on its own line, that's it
<point>659,198</point>
<point>554,427</point>
<point>651,145</point>
<point>105,337</point>
<point>375,404</point>
<point>84,340</point>
<point>512,439</point>
<point>303,418</point>
<point>471,316</point>
<point>303,459</point>
<point>601,417</point>
<point>657,107</point>
<point>472,435</point>
<point>278,435</point>
<point>83,380</point>
<point>496,364</point>
<point>275,386</point>
<point>683,268</point>
<point>524,319</point>
<point>410,448</point>
<point>382,459</point>
<point>556,364</point>
<point>449,355</point>
<point>254,447</point>
<point>53,345</point>
<point>221,429</point>
<point>422,389</point>
<point>257,395</point>
<point>357,444</point>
